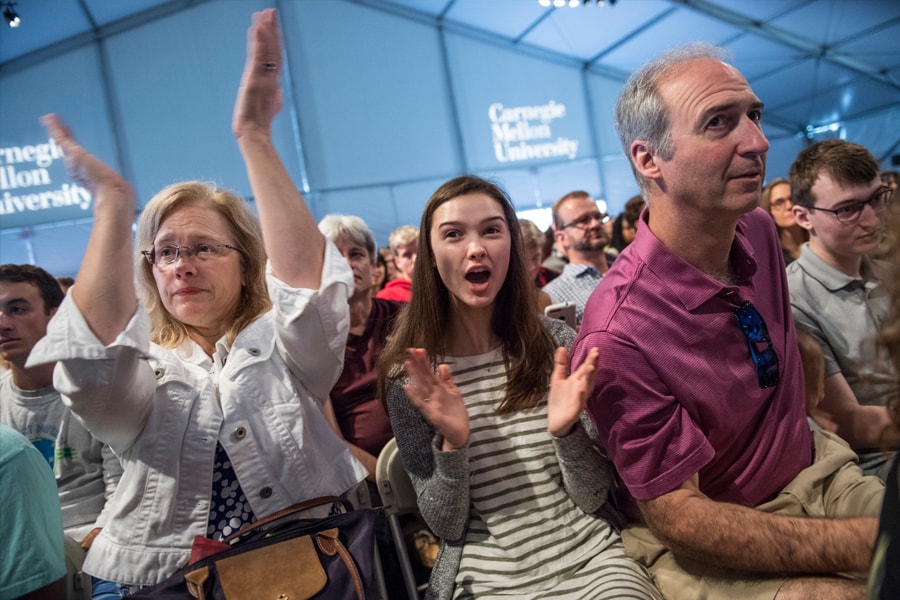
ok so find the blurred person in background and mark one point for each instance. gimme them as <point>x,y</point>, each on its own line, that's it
<point>533,241</point>
<point>890,179</point>
<point>625,226</point>
<point>65,283</point>
<point>578,223</point>
<point>379,274</point>
<point>776,200</point>
<point>390,266</point>
<point>404,241</point>
<point>354,409</point>
<point>884,577</point>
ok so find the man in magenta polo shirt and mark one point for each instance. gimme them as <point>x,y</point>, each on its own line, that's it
<point>700,392</point>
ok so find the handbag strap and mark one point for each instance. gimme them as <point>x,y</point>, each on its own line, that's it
<point>290,510</point>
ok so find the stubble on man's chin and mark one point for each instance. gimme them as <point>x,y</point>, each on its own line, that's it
<point>592,245</point>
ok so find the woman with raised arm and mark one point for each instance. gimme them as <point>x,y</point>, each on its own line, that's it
<point>210,390</point>
<point>505,474</point>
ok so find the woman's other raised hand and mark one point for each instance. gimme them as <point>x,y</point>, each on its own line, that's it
<point>87,170</point>
<point>437,398</point>
<point>568,395</point>
<point>259,96</point>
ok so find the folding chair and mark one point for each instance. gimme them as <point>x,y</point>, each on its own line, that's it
<point>78,583</point>
<point>398,498</point>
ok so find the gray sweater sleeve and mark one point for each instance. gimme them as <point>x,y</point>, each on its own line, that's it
<point>586,472</point>
<point>441,479</point>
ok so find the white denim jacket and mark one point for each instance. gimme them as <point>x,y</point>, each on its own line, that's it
<point>162,411</point>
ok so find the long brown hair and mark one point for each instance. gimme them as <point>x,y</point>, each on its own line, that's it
<point>527,347</point>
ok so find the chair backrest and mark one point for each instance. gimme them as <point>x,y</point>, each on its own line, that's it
<point>397,493</point>
<point>359,497</point>
<point>78,583</point>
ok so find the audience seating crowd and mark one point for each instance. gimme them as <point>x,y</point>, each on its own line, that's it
<point>723,424</point>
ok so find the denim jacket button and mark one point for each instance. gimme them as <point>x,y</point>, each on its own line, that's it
<point>240,433</point>
<point>265,492</point>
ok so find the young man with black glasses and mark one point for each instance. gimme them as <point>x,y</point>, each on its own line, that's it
<point>838,297</point>
<point>699,400</point>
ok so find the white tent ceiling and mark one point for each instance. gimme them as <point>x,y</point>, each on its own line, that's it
<point>815,63</point>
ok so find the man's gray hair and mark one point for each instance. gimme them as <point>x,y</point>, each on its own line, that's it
<point>349,227</point>
<point>641,113</point>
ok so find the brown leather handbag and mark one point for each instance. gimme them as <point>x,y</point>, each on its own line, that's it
<point>282,557</point>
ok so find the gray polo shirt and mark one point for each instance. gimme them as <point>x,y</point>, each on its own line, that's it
<point>843,313</point>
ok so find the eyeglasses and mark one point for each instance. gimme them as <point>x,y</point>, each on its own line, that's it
<point>165,256</point>
<point>754,328</point>
<point>850,213</point>
<point>781,203</point>
<point>584,221</point>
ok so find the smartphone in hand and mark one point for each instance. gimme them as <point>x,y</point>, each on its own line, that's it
<point>564,311</point>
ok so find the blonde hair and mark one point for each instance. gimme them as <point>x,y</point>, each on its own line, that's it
<point>532,237</point>
<point>166,330</point>
<point>405,234</point>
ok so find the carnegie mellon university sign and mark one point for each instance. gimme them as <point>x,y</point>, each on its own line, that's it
<point>526,132</point>
<point>28,194</point>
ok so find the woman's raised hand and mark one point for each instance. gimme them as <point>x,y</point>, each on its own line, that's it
<point>437,398</point>
<point>259,97</point>
<point>105,290</point>
<point>568,395</point>
<point>89,171</point>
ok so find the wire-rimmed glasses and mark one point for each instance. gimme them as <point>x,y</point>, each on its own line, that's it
<point>167,255</point>
<point>584,221</point>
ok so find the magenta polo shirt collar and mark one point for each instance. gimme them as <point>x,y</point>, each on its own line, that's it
<point>690,285</point>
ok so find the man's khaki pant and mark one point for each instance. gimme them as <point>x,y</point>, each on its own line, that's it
<point>833,486</point>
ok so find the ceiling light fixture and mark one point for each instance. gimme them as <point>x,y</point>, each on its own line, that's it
<point>10,15</point>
